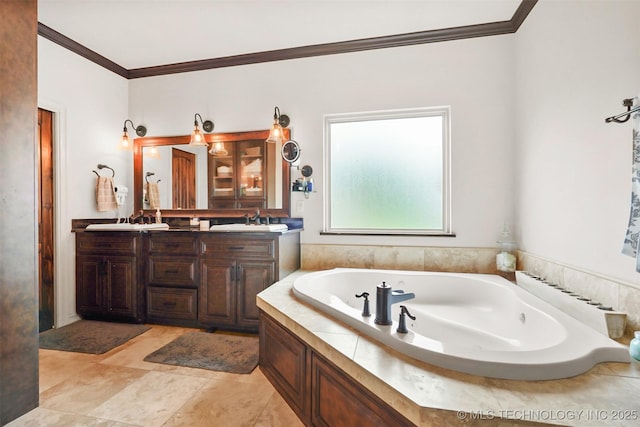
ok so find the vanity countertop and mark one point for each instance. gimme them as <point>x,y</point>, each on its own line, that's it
<point>429,395</point>
<point>80,225</point>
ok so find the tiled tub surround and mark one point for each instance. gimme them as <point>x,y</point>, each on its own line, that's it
<point>428,395</point>
<point>621,296</point>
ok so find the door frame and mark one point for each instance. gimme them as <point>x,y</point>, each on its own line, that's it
<point>61,234</point>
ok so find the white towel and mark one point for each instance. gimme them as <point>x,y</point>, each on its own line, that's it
<point>631,245</point>
<point>153,194</point>
<point>106,194</point>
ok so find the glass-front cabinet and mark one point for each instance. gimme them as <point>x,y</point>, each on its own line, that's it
<point>236,175</point>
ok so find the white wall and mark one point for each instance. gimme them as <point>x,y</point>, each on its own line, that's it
<point>473,76</point>
<point>575,62</point>
<point>90,105</point>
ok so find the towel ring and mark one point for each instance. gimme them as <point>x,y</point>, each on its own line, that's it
<point>101,166</point>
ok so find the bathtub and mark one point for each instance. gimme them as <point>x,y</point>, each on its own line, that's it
<point>473,323</point>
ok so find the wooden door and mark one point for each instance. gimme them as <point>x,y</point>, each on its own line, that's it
<point>45,219</point>
<point>183,178</point>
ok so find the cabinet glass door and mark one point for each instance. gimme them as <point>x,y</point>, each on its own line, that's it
<point>251,166</point>
<point>223,183</point>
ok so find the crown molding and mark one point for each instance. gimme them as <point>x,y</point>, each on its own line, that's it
<point>358,45</point>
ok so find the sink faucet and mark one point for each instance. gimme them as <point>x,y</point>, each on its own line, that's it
<point>385,297</point>
<point>256,217</point>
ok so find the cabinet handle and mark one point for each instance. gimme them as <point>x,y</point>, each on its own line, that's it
<point>171,271</point>
<point>172,245</point>
<point>233,272</point>
<point>238,272</point>
<point>169,303</point>
<point>236,248</point>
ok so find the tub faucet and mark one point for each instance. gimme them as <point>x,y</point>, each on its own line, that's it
<point>385,297</point>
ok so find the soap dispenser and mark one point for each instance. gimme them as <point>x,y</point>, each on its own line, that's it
<point>506,258</point>
<point>158,216</point>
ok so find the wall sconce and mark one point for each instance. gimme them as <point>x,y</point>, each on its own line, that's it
<point>279,122</point>
<point>197,137</point>
<point>125,142</point>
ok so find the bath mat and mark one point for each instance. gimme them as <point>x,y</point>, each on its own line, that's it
<point>90,336</point>
<point>214,351</point>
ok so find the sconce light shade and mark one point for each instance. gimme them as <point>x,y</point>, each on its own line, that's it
<point>197,137</point>
<point>280,121</point>
<point>152,152</point>
<point>125,142</point>
<point>217,149</point>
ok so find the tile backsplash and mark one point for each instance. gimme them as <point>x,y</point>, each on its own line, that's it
<point>619,295</point>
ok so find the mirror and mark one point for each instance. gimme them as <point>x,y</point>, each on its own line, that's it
<point>243,174</point>
<point>291,151</point>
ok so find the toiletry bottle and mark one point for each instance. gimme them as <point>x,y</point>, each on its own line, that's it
<point>158,216</point>
<point>634,346</point>
<point>310,185</point>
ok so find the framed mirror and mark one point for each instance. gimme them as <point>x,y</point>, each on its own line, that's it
<point>235,174</point>
<point>290,151</point>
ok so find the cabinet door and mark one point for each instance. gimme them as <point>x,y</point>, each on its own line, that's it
<point>338,400</point>
<point>252,278</point>
<point>216,301</point>
<point>89,292</point>
<point>120,286</point>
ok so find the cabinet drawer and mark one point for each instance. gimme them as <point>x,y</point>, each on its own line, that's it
<point>173,243</point>
<point>172,271</point>
<point>107,242</point>
<point>212,246</point>
<point>172,303</point>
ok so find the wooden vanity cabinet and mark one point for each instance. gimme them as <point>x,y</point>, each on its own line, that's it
<point>182,278</point>
<point>172,278</point>
<point>319,392</point>
<point>108,275</point>
<point>233,271</point>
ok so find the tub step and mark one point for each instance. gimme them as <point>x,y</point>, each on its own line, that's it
<point>603,319</point>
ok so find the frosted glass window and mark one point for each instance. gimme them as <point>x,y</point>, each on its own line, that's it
<point>388,172</point>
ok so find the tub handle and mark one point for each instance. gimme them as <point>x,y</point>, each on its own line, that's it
<point>365,311</point>
<point>402,324</point>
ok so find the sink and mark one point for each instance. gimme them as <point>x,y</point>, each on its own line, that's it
<point>127,227</point>
<point>250,227</point>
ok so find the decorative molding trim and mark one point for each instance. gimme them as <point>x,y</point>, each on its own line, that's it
<point>75,47</point>
<point>358,45</point>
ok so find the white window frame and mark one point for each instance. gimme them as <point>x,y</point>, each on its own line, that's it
<point>441,111</point>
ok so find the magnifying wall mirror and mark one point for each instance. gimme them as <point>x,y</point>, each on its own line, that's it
<point>290,151</point>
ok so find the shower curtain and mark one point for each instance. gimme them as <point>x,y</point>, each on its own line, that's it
<point>631,245</point>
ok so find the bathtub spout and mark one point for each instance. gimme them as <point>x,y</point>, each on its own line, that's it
<point>385,297</point>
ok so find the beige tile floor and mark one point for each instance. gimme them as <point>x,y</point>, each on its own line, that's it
<point>119,389</point>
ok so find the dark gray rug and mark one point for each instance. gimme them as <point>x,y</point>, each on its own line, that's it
<point>90,336</point>
<point>214,351</point>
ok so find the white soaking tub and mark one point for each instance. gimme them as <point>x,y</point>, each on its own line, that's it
<point>474,323</point>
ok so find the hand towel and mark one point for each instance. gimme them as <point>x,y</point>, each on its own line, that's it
<point>153,193</point>
<point>632,238</point>
<point>106,194</point>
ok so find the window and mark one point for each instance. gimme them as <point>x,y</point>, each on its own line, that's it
<point>388,172</point>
